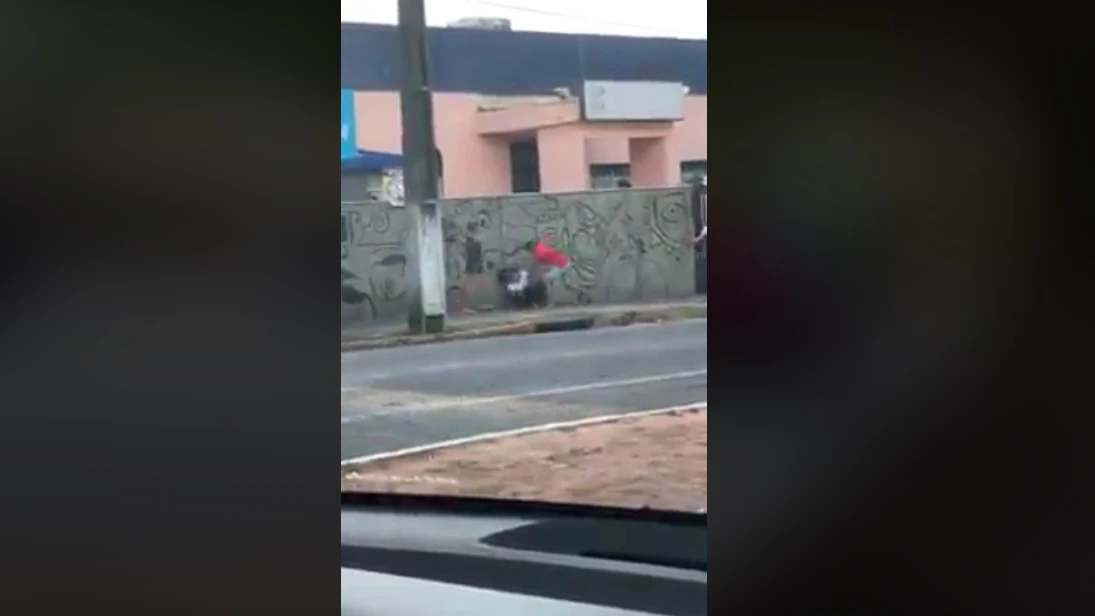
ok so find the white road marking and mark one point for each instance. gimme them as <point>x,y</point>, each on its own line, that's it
<point>561,425</point>
<point>464,402</point>
<point>377,478</point>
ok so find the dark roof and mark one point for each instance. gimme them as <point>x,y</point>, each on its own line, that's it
<point>519,63</point>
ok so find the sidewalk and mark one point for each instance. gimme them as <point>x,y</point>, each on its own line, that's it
<point>501,323</point>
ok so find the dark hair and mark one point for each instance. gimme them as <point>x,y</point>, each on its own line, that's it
<point>529,245</point>
<point>623,183</point>
<point>506,274</point>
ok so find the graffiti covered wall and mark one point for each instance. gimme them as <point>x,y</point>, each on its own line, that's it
<point>626,245</point>
<point>374,263</point>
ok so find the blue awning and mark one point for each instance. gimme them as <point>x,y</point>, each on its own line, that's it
<point>368,160</point>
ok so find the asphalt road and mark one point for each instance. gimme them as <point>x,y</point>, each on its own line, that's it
<point>407,396</point>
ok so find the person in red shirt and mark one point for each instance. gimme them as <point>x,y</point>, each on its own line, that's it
<point>553,261</point>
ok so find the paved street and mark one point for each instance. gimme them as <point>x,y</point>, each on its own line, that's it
<point>402,397</point>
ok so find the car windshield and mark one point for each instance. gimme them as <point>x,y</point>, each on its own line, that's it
<point>548,341</point>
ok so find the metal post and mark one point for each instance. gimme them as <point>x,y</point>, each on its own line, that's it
<point>427,279</point>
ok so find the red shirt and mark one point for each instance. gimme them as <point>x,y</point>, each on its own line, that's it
<point>549,256</point>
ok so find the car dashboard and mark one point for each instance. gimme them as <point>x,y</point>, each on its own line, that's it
<point>440,556</point>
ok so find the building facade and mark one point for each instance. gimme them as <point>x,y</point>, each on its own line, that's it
<point>512,110</point>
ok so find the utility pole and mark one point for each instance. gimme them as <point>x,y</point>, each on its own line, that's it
<point>426,279</point>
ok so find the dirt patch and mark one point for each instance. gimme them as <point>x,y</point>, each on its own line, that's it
<point>656,461</point>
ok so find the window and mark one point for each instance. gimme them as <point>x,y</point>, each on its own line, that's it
<point>374,186</point>
<point>360,186</point>
<point>602,177</point>
<point>693,171</point>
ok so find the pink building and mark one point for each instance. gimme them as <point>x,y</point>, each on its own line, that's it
<point>493,145</point>
<point>512,111</point>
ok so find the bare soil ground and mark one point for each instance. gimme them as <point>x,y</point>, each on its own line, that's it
<point>656,461</point>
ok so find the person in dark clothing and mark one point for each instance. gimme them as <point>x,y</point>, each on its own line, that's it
<point>701,236</point>
<point>521,291</point>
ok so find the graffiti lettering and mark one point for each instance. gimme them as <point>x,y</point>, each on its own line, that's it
<point>624,245</point>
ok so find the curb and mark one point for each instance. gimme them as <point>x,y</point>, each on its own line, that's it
<point>548,427</point>
<point>384,342</point>
<point>533,325</point>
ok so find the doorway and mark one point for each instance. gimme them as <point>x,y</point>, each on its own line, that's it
<point>524,166</point>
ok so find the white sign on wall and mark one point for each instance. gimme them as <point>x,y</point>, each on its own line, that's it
<point>632,101</point>
<point>391,188</point>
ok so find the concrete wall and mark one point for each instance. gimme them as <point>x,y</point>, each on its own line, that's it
<point>625,246</point>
